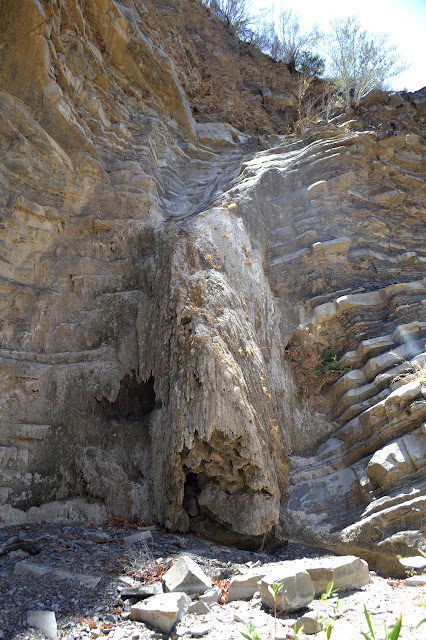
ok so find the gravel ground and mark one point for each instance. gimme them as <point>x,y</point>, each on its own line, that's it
<point>85,611</point>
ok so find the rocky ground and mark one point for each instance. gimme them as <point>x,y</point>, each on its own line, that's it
<point>82,573</point>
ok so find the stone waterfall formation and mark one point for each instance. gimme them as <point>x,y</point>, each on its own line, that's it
<point>165,247</point>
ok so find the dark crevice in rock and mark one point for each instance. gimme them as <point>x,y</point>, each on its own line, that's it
<point>135,400</point>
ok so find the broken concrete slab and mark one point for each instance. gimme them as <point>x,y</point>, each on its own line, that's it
<point>346,572</point>
<point>186,576</point>
<point>84,579</point>
<point>162,611</point>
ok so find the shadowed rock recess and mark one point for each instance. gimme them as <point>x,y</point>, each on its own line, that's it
<point>168,261</point>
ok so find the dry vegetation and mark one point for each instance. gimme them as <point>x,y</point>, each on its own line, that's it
<point>314,369</point>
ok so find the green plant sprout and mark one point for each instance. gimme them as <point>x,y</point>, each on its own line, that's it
<point>277,588</point>
<point>330,593</point>
<point>393,634</point>
<point>330,362</point>
<point>252,631</point>
<point>424,619</point>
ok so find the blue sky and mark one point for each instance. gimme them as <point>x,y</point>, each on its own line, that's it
<point>403,20</point>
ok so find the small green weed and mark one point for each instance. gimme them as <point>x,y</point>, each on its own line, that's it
<point>314,368</point>
<point>277,590</point>
<point>328,628</point>
<point>296,633</point>
<point>424,619</point>
<point>330,593</point>
<point>252,631</point>
<point>330,362</point>
<point>393,634</point>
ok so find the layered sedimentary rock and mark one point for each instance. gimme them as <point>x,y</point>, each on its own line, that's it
<point>159,261</point>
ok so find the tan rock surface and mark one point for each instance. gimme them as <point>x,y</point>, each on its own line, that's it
<point>159,264</point>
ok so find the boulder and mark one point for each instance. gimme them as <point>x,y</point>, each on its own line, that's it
<point>414,562</point>
<point>283,100</point>
<point>97,536</point>
<point>141,592</point>
<point>295,589</point>
<point>243,587</point>
<point>44,621</point>
<point>211,596</point>
<point>389,463</point>
<point>416,581</point>
<point>267,95</point>
<point>418,98</point>
<point>375,96</point>
<point>310,622</point>
<point>185,575</point>
<point>140,536</point>
<point>199,607</point>
<point>219,134</point>
<point>345,572</point>
<point>162,611</point>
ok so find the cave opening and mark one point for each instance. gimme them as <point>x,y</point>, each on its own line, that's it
<point>191,492</point>
<point>135,400</point>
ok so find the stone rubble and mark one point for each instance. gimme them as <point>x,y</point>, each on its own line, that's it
<point>108,610</point>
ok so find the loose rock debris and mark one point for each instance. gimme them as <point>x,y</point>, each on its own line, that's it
<point>80,583</point>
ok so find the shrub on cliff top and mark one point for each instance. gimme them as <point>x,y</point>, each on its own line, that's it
<point>237,16</point>
<point>359,61</point>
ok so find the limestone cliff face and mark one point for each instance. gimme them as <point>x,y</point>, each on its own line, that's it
<point>164,252</point>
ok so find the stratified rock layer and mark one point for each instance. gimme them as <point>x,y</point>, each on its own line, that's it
<point>157,270</point>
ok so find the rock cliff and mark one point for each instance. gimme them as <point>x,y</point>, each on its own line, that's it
<point>170,262</point>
